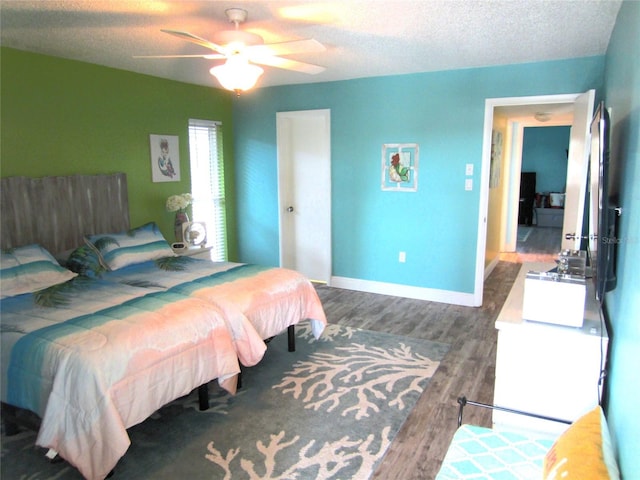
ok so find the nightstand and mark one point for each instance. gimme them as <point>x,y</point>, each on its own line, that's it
<point>196,252</point>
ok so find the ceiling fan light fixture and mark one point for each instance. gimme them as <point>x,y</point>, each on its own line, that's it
<point>237,74</point>
<point>240,46</point>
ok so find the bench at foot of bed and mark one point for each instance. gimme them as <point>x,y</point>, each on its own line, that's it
<point>583,450</point>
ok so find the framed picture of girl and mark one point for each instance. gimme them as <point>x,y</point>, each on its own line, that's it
<point>165,158</point>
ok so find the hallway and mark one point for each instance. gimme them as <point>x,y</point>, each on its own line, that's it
<point>535,244</point>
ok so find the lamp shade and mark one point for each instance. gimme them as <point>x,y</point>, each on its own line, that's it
<point>237,74</point>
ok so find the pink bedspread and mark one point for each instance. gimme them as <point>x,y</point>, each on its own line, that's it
<point>92,376</point>
<point>272,299</point>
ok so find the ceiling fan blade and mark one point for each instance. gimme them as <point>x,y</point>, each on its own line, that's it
<point>190,37</point>
<point>286,48</point>
<point>288,64</point>
<point>211,56</point>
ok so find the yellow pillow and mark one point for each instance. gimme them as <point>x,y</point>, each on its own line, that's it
<point>583,451</point>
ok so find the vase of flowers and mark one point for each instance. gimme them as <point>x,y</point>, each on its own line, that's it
<point>179,204</point>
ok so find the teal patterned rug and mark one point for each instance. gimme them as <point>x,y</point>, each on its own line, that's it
<point>329,410</point>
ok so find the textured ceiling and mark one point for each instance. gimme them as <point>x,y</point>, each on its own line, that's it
<point>363,38</point>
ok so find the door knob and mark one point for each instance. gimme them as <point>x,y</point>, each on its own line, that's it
<point>290,209</point>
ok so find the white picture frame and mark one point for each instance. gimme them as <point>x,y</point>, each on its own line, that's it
<point>165,158</point>
<point>400,167</point>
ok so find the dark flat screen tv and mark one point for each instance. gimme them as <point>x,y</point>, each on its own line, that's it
<point>603,208</point>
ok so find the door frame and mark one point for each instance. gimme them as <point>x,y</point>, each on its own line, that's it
<point>516,129</point>
<point>490,105</point>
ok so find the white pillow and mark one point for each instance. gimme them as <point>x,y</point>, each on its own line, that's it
<point>29,269</point>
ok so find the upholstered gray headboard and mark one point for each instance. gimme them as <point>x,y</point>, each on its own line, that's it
<point>56,212</point>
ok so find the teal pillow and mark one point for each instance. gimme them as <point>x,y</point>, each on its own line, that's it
<point>141,244</point>
<point>85,261</point>
<point>29,269</point>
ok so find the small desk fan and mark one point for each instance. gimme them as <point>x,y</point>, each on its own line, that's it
<point>194,234</point>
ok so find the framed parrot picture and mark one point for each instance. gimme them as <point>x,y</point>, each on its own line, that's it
<point>400,167</point>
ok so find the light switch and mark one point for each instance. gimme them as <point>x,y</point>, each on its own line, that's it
<point>468,184</point>
<point>469,169</point>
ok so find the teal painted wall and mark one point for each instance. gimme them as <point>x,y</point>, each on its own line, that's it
<point>62,117</point>
<point>622,95</point>
<point>544,151</point>
<point>444,113</point>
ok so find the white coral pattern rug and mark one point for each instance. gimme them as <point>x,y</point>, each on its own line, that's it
<point>327,411</point>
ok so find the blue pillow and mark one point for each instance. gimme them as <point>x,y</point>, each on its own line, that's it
<point>118,250</point>
<point>85,261</point>
<point>29,269</point>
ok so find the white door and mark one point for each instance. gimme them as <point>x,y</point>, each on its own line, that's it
<point>577,168</point>
<point>304,184</point>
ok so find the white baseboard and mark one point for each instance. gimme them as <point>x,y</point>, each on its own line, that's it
<point>406,291</point>
<point>489,268</point>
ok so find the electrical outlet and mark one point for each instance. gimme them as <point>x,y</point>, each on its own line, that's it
<point>402,257</point>
<point>468,184</point>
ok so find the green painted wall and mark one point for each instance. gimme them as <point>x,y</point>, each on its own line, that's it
<point>62,117</point>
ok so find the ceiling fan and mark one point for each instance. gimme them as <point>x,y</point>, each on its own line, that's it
<point>243,49</point>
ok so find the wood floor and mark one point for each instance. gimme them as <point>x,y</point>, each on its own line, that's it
<point>467,369</point>
<point>542,245</point>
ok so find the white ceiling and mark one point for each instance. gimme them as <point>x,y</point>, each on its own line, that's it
<point>363,38</point>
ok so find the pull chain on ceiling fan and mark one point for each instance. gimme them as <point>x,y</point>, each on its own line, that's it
<point>243,49</point>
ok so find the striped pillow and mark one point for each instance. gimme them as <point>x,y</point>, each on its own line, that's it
<point>118,250</point>
<point>29,269</point>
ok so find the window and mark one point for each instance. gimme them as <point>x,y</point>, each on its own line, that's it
<point>207,183</point>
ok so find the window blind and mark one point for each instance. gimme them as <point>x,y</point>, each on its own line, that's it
<point>207,183</point>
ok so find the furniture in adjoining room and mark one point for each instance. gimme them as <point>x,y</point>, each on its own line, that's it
<point>527,198</point>
<point>91,355</point>
<point>549,217</point>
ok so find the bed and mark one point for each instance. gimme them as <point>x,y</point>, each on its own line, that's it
<point>90,371</point>
<point>272,299</point>
<point>159,338</point>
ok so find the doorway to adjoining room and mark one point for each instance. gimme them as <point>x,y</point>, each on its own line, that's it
<point>542,191</point>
